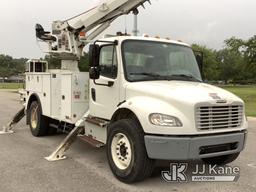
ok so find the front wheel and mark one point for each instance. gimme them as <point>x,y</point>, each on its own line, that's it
<point>126,152</point>
<point>221,160</point>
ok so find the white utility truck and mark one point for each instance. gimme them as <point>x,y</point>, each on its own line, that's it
<point>144,98</point>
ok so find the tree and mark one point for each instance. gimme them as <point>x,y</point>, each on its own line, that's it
<point>235,45</point>
<point>84,63</point>
<point>250,57</point>
<point>250,51</point>
<point>10,66</point>
<point>210,68</point>
<point>242,56</point>
<point>230,64</point>
<point>55,63</point>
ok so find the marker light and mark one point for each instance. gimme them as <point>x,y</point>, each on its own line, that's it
<point>82,34</point>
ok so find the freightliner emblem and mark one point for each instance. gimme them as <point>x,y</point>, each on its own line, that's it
<point>218,98</point>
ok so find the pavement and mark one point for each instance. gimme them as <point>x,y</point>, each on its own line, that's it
<point>24,169</point>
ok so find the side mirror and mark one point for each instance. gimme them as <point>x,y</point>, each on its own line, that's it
<point>94,53</point>
<point>94,73</point>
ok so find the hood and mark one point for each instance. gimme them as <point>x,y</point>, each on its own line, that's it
<point>181,92</point>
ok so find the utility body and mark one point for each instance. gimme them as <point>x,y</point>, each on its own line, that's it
<point>144,98</point>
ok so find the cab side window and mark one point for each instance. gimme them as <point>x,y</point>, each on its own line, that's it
<point>108,61</point>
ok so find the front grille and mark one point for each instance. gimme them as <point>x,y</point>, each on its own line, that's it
<point>219,117</point>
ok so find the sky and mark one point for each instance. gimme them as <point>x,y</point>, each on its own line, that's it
<point>207,22</point>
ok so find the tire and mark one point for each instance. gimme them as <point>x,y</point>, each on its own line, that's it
<point>221,160</point>
<point>126,152</point>
<point>37,122</point>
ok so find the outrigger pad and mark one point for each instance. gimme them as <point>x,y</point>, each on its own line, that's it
<point>59,153</point>
<point>7,129</point>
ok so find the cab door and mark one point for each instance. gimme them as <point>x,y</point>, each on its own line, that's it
<point>103,98</point>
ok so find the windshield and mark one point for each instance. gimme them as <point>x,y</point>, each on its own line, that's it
<point>148,60</point>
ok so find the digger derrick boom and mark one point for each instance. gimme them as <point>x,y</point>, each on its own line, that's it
<point>69,37</point>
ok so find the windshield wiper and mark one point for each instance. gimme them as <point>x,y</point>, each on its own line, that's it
<point>169,77</point>
<point>147,74</point>
<point>187,77</point>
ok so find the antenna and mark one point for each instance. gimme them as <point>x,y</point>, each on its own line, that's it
<point>125,24</point>
<point>135,25</point>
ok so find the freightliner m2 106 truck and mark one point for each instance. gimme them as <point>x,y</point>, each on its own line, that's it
<point>143,98</point>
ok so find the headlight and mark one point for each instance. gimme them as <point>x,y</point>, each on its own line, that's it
<point>164,120</point>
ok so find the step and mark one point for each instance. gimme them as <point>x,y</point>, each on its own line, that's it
<point>91,141</point>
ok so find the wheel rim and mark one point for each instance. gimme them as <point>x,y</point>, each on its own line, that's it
<point>34,117</point>
<point>121,151</point>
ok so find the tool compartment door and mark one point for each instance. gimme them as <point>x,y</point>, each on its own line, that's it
<point>66,98</point>
<point>74,96</point>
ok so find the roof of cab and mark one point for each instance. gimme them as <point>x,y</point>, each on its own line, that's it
<point>141,38</point>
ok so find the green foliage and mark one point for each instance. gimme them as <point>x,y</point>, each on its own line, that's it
<point>210,68</point>
<point>84,63</point>
<point>55,63</point>
<point>10,66</point>
<point>230,64</point>
<point>250,57</point>
<point>236,62</point>
<point>243,57</point>
<point>233,44</point>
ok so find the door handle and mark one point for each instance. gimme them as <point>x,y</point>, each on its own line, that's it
<point>93,94</point>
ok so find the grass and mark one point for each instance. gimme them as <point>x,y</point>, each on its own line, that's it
<point>248,94</point>
<point>11,85</point>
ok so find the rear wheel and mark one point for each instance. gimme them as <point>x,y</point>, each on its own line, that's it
<point>221,160</point>
<point>37,122</point>
<point>126,152</point>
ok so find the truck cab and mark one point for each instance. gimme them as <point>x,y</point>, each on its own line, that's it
<point>153,88</point>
